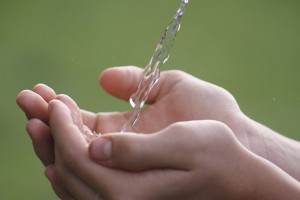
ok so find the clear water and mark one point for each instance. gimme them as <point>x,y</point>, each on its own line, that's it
<point>151,72</point>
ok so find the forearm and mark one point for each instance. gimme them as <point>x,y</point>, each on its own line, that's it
<point>280,150</point>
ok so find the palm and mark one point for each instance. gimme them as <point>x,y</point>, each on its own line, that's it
<point>177,97</point>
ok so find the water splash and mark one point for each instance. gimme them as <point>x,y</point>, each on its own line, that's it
<point>151,72</point>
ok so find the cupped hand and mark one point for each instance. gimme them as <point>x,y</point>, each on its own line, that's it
<point>35,106</point>
<point>186,160</point>
<point>177,96</point>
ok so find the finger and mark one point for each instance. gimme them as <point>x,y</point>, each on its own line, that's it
<point>72,183</point>
<point>90,120</point>
<point>42,140</point>
<point>71,144</point>
<point>75,111</point>
<point>59,190</point>
<point>63,127</point>
<point>110,122</point>
<point>33,105</point>
<point>139,152</point>
<point>122,82</point>
<point>107,122</point>
<point>45,92</point>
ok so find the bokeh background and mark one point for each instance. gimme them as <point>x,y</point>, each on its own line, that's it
<point>249,47</point>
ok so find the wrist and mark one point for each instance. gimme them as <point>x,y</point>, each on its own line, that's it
<point>270,145</point>
<point>252,135</point>
<point>267,181</point>
<point>242,127</point>
<point>258,178</point>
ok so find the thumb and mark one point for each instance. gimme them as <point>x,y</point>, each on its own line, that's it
<point>138,152</point>
<point>122,82</point>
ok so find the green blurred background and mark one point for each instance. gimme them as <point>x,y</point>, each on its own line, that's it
<point>251,48</point>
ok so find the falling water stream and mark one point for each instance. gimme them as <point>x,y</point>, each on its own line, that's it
<point>151,72</point>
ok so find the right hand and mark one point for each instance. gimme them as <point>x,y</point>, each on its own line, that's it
<point>187,160</point>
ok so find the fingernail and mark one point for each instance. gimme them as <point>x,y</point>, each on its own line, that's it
<point>100,149</point>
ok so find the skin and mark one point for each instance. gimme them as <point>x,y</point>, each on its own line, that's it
<point>211,163</point>
<point>212,103</point>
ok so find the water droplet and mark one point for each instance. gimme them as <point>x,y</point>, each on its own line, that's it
<point>185,1</point>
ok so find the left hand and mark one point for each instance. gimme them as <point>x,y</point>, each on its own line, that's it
<point>175,157</point>
<point>186,160</point>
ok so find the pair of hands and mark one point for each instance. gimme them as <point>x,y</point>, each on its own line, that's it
<point>194,150</point>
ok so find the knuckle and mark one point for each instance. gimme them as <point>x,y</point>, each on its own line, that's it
<point>221,128</point>
<point>124,150</point>
<point>179,128</point>
<point>61,177</point>
<point>70,160</point>
<point>222,134</point>
<point>177,73</point>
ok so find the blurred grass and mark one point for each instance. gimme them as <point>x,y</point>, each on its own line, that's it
<point>251,48</point>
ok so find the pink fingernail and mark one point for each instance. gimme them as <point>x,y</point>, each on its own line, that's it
<point>100,149</point>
